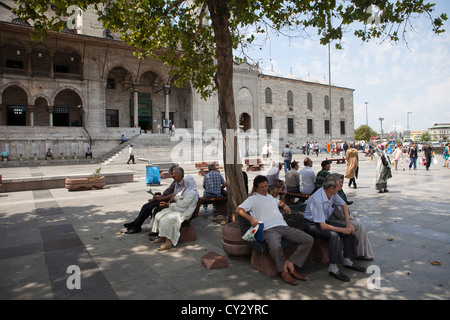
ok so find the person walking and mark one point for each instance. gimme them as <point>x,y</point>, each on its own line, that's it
<point>287,157</point>
<point>398,157</point>
<point>428,153</point>
<point>351,156</point>
<point>130,154</point>
<point>413,157</point>
<point>446,155</point>
<point>383,169</point>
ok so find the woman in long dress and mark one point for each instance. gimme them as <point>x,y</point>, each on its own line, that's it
<point>383,169</point>
<point>351,156</point>
<point>168,221</point>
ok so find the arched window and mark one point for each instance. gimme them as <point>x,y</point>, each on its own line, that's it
<point>268,95</point>
<point>327,103</point>
<point>342,104</point>
<point>290,98</point>
<point>309,101</point>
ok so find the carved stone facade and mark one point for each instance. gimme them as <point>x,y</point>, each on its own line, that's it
<point>81,85</point>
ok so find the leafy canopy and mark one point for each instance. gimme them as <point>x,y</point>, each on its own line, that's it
<point>179,32</point>
<point>365,132</point>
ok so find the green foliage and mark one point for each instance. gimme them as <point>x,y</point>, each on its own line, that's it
<point>96,173</point>
<point>365,133</point>
<point>172,31</point>
<point>425,136</point>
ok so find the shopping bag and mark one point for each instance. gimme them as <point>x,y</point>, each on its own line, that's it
<point>423,161</point>
<point>434,161</point>
<point>255,233</point>
<point>407,161</point>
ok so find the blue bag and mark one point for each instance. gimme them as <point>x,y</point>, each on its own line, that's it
<point>152,175</point>
<point>259,235</point>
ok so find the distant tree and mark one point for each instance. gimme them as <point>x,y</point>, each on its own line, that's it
<point>425,136</point>
<point>365,133</point>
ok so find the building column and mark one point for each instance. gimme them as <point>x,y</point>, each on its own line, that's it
<point>52,57</point>
<point>167,115</point>
<point>136,107</point>
<point>29,58</point>
<point>31,108</point>
<point>50,116</point>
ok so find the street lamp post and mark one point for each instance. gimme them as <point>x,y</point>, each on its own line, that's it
<point>407,120</point>
<point>381,121</point>
<point>395,129</point>
<point>367,119</point>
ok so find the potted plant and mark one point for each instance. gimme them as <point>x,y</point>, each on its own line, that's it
<point>95,181</point>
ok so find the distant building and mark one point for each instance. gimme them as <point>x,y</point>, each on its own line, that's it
<point>415,135</point>
<point>440,131</point>
<point>84,86</point>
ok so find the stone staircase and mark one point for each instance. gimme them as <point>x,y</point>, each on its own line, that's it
<point>154,147</point>
<point>159,148</point>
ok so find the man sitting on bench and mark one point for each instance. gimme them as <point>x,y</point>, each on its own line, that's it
<point>213,182</point>
<point>307,177</point>
<point>155,203</point>
<point>263,208</point>
<point>318,210</point>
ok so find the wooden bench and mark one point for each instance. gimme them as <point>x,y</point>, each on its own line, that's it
<point>164,168</point>
<point>187,232</point>
<point>288,197</point>
<point>254,164</point>
<point>260,257</point>
<point>337,160</point>
<point>202,167</point>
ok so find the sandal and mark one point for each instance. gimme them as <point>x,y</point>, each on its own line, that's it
<point>159,240</point>
<point>164,247</point>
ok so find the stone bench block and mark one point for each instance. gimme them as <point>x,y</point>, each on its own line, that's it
<point>213,260</point>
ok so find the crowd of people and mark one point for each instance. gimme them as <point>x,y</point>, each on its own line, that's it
<point>326,212</point>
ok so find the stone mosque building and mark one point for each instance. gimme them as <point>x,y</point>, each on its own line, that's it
<point>84,87</point>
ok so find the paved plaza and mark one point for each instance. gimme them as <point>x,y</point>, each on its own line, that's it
<point>47,235</point>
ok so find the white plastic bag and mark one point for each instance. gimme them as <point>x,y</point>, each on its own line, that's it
<point>255,233</point>
<point>250,234</point>
<point>434,161</point>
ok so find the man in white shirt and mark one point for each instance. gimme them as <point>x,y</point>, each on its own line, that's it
<point>273,176</point>
<point>318,210</point>
<point>130,154</point>
<point>263,208</point>
<point>307,177</point>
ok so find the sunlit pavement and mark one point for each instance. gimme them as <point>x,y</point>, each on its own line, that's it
<point>49,237</point>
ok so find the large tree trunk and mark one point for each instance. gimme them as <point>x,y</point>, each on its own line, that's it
<point>233,171</point>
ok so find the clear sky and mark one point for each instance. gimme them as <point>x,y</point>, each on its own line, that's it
<point>393,78</point>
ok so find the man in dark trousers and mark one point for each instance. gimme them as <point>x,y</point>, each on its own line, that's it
<point>428,154</point>
<point>177,174</point>
<point>318,210</point>
<point>263,208</point>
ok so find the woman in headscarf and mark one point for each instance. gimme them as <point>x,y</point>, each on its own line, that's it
<point>351,156</point>
<point>168,221</point>
<point>383,169</point>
